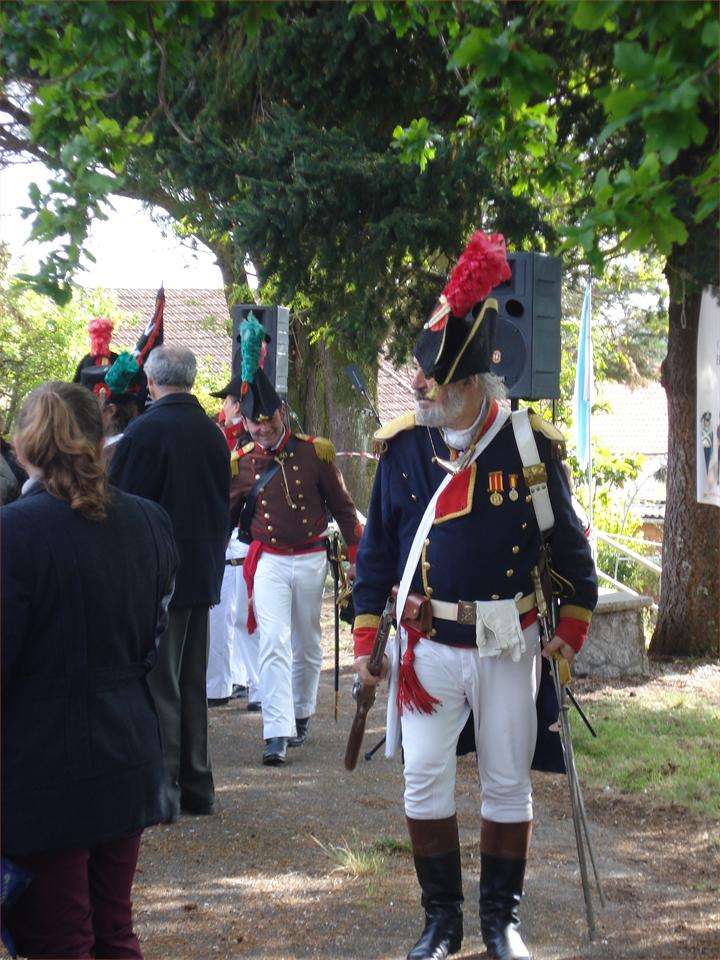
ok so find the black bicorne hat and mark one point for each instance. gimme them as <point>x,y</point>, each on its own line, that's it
<point>457,341</point>
<point>464,345</point>
<point>260,400</point>
<point>94,378</point>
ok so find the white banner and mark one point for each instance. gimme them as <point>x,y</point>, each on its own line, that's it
<point>708,400</point>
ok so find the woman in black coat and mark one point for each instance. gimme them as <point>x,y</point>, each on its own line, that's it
<point>87,574</point>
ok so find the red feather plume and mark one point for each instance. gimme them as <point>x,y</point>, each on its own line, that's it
<point>482,266</point>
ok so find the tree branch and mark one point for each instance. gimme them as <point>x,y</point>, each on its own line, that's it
<point>161,82</point>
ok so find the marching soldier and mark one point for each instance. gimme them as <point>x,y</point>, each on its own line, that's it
<point>287,485</point>
<point>462,492</point>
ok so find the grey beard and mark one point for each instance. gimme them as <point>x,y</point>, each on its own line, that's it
<point>440,414</point>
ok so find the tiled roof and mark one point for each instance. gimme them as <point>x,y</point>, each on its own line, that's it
<point>395,394</point>
<point>199,319</point>
<point>636,420</point>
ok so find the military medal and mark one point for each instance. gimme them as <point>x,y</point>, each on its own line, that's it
<point>513,481</point>
<point>495,487</point>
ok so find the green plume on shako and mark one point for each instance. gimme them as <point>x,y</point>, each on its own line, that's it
<point>252,337</point>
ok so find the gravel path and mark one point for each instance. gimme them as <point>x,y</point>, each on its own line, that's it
<point>255,882</point>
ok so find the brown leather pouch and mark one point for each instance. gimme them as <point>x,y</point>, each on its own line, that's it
<point>417,613</point>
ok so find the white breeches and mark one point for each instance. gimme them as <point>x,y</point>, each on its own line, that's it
<point>288,596</point>
<point>501,695</point>
<point>233,653</point>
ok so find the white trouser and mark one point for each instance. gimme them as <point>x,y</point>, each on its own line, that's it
<point>232,655</point>
<point>288,595</point>
<point>501,695</point>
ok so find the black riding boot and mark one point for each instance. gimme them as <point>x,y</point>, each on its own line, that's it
<point>436,851</point>
<point>503,855</point>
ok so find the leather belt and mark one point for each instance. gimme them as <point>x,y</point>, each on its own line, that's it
<point>235,562</point>
<point>464,611</point>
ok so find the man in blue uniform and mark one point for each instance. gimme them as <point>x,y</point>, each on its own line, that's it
<point>463,490</point>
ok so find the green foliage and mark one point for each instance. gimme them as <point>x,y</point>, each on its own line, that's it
<point>655,742</point>
<point>40,340</point>
<point>252,152</point>
<point>625,94</point>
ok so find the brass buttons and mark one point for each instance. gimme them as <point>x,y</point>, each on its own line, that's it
<point>413,497</point>
<point>298,482</point>
<point>432,632</point>
<point>524,526</point>
<point>304,520</point>
<point>257,476</point>
<point>495,596</point>
<point>516,549</point>
<point>302,509</point>
<point>528,498</point>
<point>267,516</point>
<point>426,565</point>
<point>273,539</point>
<point>264,503</point>
<point>295,467</point>
<point>301,496</point>
<point>509,573</point>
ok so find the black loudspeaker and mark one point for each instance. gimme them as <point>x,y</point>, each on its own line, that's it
<point>276,321</point>
<point>527,338</point>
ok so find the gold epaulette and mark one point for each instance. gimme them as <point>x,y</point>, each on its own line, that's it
<point>406,421</point>
<point>235,457</point>
<point>549,430</point>
<point>324,448</point>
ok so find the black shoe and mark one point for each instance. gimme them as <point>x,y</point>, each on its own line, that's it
<point>254,706</point>
<point>198,808</point>
<point>275,751</point>
<point>301,726</point>
<point>218,701</point>
<point>501,888</point>
<point>239,692</point>
<point>441,883</point>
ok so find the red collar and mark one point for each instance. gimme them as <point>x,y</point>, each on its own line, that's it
<point>272,453</point>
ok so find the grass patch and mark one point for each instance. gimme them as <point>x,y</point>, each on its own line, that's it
<point>662,744</point>
<point>392,846</point>
<point>358,861</point>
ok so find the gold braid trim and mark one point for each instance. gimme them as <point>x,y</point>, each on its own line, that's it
<point>575,612</point>
<point>366,620</point>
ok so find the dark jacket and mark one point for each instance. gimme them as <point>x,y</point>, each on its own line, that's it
<point>174,454</point>
<point>82,607</point>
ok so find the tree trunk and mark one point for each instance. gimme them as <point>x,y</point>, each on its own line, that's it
<point>327,405</point>
<point>689,616</point>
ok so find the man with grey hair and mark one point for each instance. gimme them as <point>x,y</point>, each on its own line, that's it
<point>174,454</point>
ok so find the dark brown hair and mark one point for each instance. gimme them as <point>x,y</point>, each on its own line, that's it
<point>60,431</point>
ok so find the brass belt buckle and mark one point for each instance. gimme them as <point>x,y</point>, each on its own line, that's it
<point>466,613</point>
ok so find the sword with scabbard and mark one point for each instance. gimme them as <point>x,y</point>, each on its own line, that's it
<point>560,670</point>
<point>364,693</point>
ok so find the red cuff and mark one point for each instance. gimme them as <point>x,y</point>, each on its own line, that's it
<point>572,631</point>
<point>364,639</point>
<point>352,552</point>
